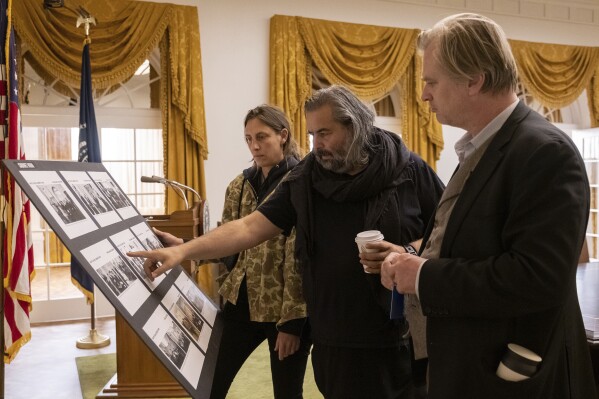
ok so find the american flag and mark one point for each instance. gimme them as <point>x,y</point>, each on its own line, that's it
<point>17,249</point>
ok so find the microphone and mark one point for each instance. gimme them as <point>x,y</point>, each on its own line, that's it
<point>174,184</point>
<point>153,179</point>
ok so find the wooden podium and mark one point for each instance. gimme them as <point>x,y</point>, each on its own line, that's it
<point>139,373</point>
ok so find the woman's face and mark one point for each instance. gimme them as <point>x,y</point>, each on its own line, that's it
<point>265,144</point>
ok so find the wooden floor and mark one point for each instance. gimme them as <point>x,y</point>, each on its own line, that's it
<point>45,367</point>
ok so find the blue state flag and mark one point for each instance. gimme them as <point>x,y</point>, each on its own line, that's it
<point>89,151</point>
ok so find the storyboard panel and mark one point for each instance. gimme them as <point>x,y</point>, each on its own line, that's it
<point>99,225</point>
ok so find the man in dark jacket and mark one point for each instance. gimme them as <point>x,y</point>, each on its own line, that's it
<point>503,249</point>
<point>356,178</point>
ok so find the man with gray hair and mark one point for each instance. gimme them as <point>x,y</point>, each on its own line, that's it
<point>357,177</point>
<point>499,261</point>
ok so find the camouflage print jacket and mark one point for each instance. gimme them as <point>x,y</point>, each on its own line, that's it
<point>272,276</point>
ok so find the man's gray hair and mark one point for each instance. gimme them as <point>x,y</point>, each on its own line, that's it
<point>348,110</point>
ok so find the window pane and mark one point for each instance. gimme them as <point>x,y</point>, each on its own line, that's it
<point>149,144</point>
<point>59,146</point>
<point>75,143</point>
<point>38,225</point>
<point>31,142</point>
<point>38,247</point>
<point>39,285</point>
<point>150,169</point>
<point>124,174</point>
<point>151,204</point>
<point>57,252</point>
<point>62,287</point>
<point>117,144</point>
<point>592,243</point>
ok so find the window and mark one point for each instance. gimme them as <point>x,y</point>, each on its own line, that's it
<point>587,141</point>
<point>573,120</point>
<point>130,134</point>
<point>129,154</point>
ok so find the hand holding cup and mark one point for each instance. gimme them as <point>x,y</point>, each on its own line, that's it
<point>373,250</point>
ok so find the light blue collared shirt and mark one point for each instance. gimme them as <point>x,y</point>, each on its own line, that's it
<point>466,145</point>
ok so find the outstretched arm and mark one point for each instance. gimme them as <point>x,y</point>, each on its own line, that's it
<point>225,240</point>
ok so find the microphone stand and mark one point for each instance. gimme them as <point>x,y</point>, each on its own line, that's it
<point>175,186</point>
<point>179,189</point>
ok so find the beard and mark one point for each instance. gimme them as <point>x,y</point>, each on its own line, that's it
<point>336,161</point>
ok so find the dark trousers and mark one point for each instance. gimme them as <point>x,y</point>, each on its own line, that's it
<point>362,373</point>
<point>240,337</point>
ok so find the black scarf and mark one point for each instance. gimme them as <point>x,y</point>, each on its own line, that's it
<point>375,185</point>
<point>264,186</point>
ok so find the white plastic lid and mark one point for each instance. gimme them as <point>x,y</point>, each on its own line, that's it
<point>369,235</point>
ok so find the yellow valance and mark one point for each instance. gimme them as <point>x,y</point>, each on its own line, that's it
<point>125,34</point>
<point>370,60</point>
<point>554,74</point>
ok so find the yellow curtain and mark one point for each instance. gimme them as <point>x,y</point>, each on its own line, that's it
<point>290,77</point>
<point>368,59</point>
<point>593,97</point>
<point>125,34</point>
<point>556,75</point>
<point>422,132</point>
<point>58,253</point>
<point>185,68</point>
<point>178,145</point>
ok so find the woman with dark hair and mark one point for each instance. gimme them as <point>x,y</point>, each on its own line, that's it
<point>263,290</point>
<point>262,286</point>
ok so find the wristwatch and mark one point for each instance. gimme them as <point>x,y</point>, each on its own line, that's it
<point>410,249</point>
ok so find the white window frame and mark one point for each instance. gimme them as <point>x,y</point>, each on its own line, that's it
<point>62,117</point>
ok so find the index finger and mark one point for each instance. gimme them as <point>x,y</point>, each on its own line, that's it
<point>150,264</point>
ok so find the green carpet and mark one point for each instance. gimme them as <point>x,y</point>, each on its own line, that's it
<point>252,382</point>
<point>94,372</point>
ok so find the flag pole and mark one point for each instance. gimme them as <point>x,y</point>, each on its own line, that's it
<point>94,339</point>
<point>2,227</point>
<point>3,204</point>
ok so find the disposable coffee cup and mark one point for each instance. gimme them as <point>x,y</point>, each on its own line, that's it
<point>518,363</point>
<point>367,236</point>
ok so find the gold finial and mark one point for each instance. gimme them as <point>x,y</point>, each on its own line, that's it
<point>86,19</point>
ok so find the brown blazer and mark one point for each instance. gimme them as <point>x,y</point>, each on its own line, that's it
<point>507,270</point>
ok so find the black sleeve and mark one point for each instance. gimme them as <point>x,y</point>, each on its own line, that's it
<point>294,326</point>
<point>279,209</point>
<point>429,188</point>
